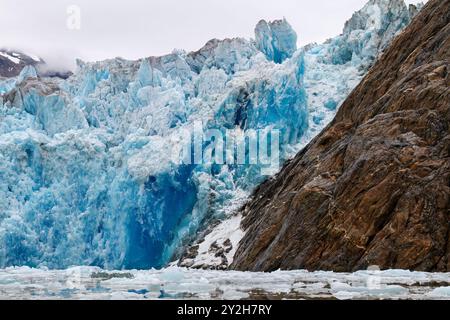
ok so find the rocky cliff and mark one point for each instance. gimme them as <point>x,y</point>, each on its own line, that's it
<point>374,187</point>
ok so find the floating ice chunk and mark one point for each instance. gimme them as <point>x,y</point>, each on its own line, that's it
<point>442,292</point>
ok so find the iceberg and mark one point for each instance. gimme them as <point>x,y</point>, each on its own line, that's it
<point>88,165</point>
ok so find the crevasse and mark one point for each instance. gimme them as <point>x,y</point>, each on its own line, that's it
<point>86,176</point>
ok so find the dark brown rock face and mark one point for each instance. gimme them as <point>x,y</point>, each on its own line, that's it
<point>374,187</point>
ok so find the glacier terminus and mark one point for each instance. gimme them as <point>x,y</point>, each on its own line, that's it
<point>87,173</point>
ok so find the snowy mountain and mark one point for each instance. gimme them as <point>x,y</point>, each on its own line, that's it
<point>88,165</point>
<point>12,62</point>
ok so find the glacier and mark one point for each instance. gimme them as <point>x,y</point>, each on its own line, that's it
<point>87,169</point>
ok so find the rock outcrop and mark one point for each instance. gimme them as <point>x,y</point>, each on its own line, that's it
<point>374,187</point>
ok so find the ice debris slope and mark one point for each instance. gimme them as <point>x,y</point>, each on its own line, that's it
<point>335,67</point>
<point>88,174</point>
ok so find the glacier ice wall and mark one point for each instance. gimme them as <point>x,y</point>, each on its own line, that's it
<point>86,176</point>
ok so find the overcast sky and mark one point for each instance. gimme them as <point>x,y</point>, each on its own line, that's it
<point>138,28</point>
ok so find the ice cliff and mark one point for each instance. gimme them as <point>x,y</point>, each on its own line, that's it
<point>87,168</point>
